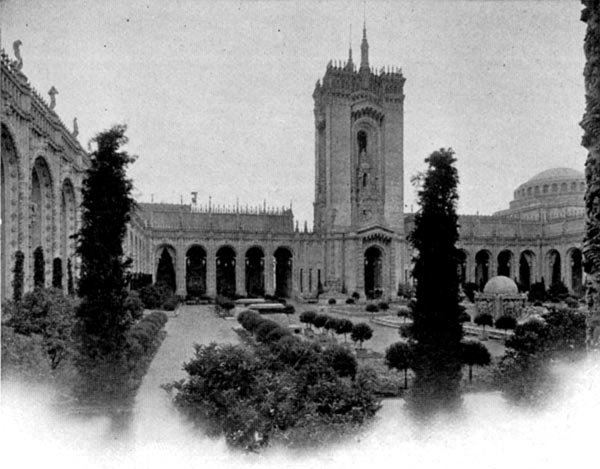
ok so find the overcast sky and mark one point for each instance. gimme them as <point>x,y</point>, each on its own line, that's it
<point>218,96</point>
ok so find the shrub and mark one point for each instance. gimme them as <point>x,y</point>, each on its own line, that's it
<point>361,332</point>
<point>276,334</point>
<point>264,329</point>
<point>484,319</point>
<point>371,308</point>
<point>537,292</point>
<point>153,296</point>
<point>133,305</point>
<point>307,317</point>
<point>383,306</point>
<point>250,320</point>
<point>70,283</point>
<point>289,309</point>
<point>505,323</point>
<point>350,301</point>
<point>356,295</point>
<point>572,302</point>
<point>343,326</point>
<point>142,336</point>
<point>170,303</point>
<point>50,314</point>
<point>341,361</point>
<point>404,312</point>
<point>531,337</point>
<point>57,273</point>
<point>331,301</point>
<point>566,330</point>
<point>252,396</point>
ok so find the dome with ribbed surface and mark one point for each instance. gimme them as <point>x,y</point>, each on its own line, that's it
<point>557,173</point>
<point>500,285</point>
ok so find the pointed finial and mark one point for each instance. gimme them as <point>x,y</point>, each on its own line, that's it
<point>75,132</point>
<point>52,93</point>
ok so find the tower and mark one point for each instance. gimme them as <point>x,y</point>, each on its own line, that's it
<point>359,123</point>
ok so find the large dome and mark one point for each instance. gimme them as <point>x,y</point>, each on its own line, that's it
<point>500,285</point>
<point>557,173</point>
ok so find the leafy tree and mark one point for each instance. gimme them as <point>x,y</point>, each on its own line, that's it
<point>566,330</point>
<point>39,269</point>
<point>505,323</point>
<point>474,353</point>
<point>70,285</point>
<point>57,273</point>
<point>18,275</point>
<point>404,312</point>
<point>399,356</point>
<point>320,320</point>
<point>307,317</point>
<point>531,338</point>
<point>361,332</point>
<point>343,326</point>
<point>331,324</point>
<point>107,203</point>
<point>484,319</point>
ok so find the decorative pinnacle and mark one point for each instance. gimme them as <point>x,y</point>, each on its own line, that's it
<point>364,50</point>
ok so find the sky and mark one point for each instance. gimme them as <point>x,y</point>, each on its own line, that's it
<point>217,96</point>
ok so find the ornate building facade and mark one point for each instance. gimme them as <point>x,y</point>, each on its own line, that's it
<point>43,166</point>
<point>358,241</point>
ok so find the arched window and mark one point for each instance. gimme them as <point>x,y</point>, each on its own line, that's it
<point>361,140</point>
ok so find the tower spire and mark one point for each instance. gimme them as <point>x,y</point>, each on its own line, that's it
<point>364,48</point>
<point>350,64</point>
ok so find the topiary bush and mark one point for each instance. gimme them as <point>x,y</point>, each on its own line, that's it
<point>356,295</point>
<point>341,360</point>
<point>264,329</point>
<point>170,303</point>
<point>331,324</point>
<point>505,323</point>
<point>484,319</point>
<point>350,301</point>
<point>320,320</point>
<point>383,306</point>
<point>343,326</point>
<point>371,308</point>
<point>361,332</point>
<point>331,301</point>
<point>308,317</point>
<point>250,320</point>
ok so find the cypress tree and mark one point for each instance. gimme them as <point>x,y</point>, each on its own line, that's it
<point>18,276</point>
<point>57,273</point>
<point>102,320</point>
<point>39,272</point>
<point>70,286</point>
<point>436,330</point>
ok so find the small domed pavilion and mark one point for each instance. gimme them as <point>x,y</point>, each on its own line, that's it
<point>500,297</point>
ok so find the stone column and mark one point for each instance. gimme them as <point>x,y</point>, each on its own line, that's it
<point>211,270</point>
<point>180,269</point>
<point>240,273</point>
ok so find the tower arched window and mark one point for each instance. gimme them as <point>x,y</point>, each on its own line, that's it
<point>361,140</point>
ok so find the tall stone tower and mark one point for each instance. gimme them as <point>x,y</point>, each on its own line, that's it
<point>359,122</point>
<point>358,208</point>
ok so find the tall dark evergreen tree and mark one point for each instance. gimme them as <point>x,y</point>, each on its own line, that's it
<point>18,276</point>
<point>102,320</point>
<point>436,330</point>
<point>39,268</point>
<point>70,284</point>
<point>165,272</point>
<point>57,273</point>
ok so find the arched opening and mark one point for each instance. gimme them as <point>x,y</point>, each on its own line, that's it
<point>576,271</point>
<point>525,270</point>
<point>482,268</point>
<point>255,272</point>
<point>554,267</point>
<point>461,266</point>
<point>41,210</point>
<point>361,140</point>
<point>165,272</point>
<point>504,263</point>
<point>283,272</point>
<point>67,225</point>
<point>195,271</point>
<point>373,272</point>
<point>226,272</point>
